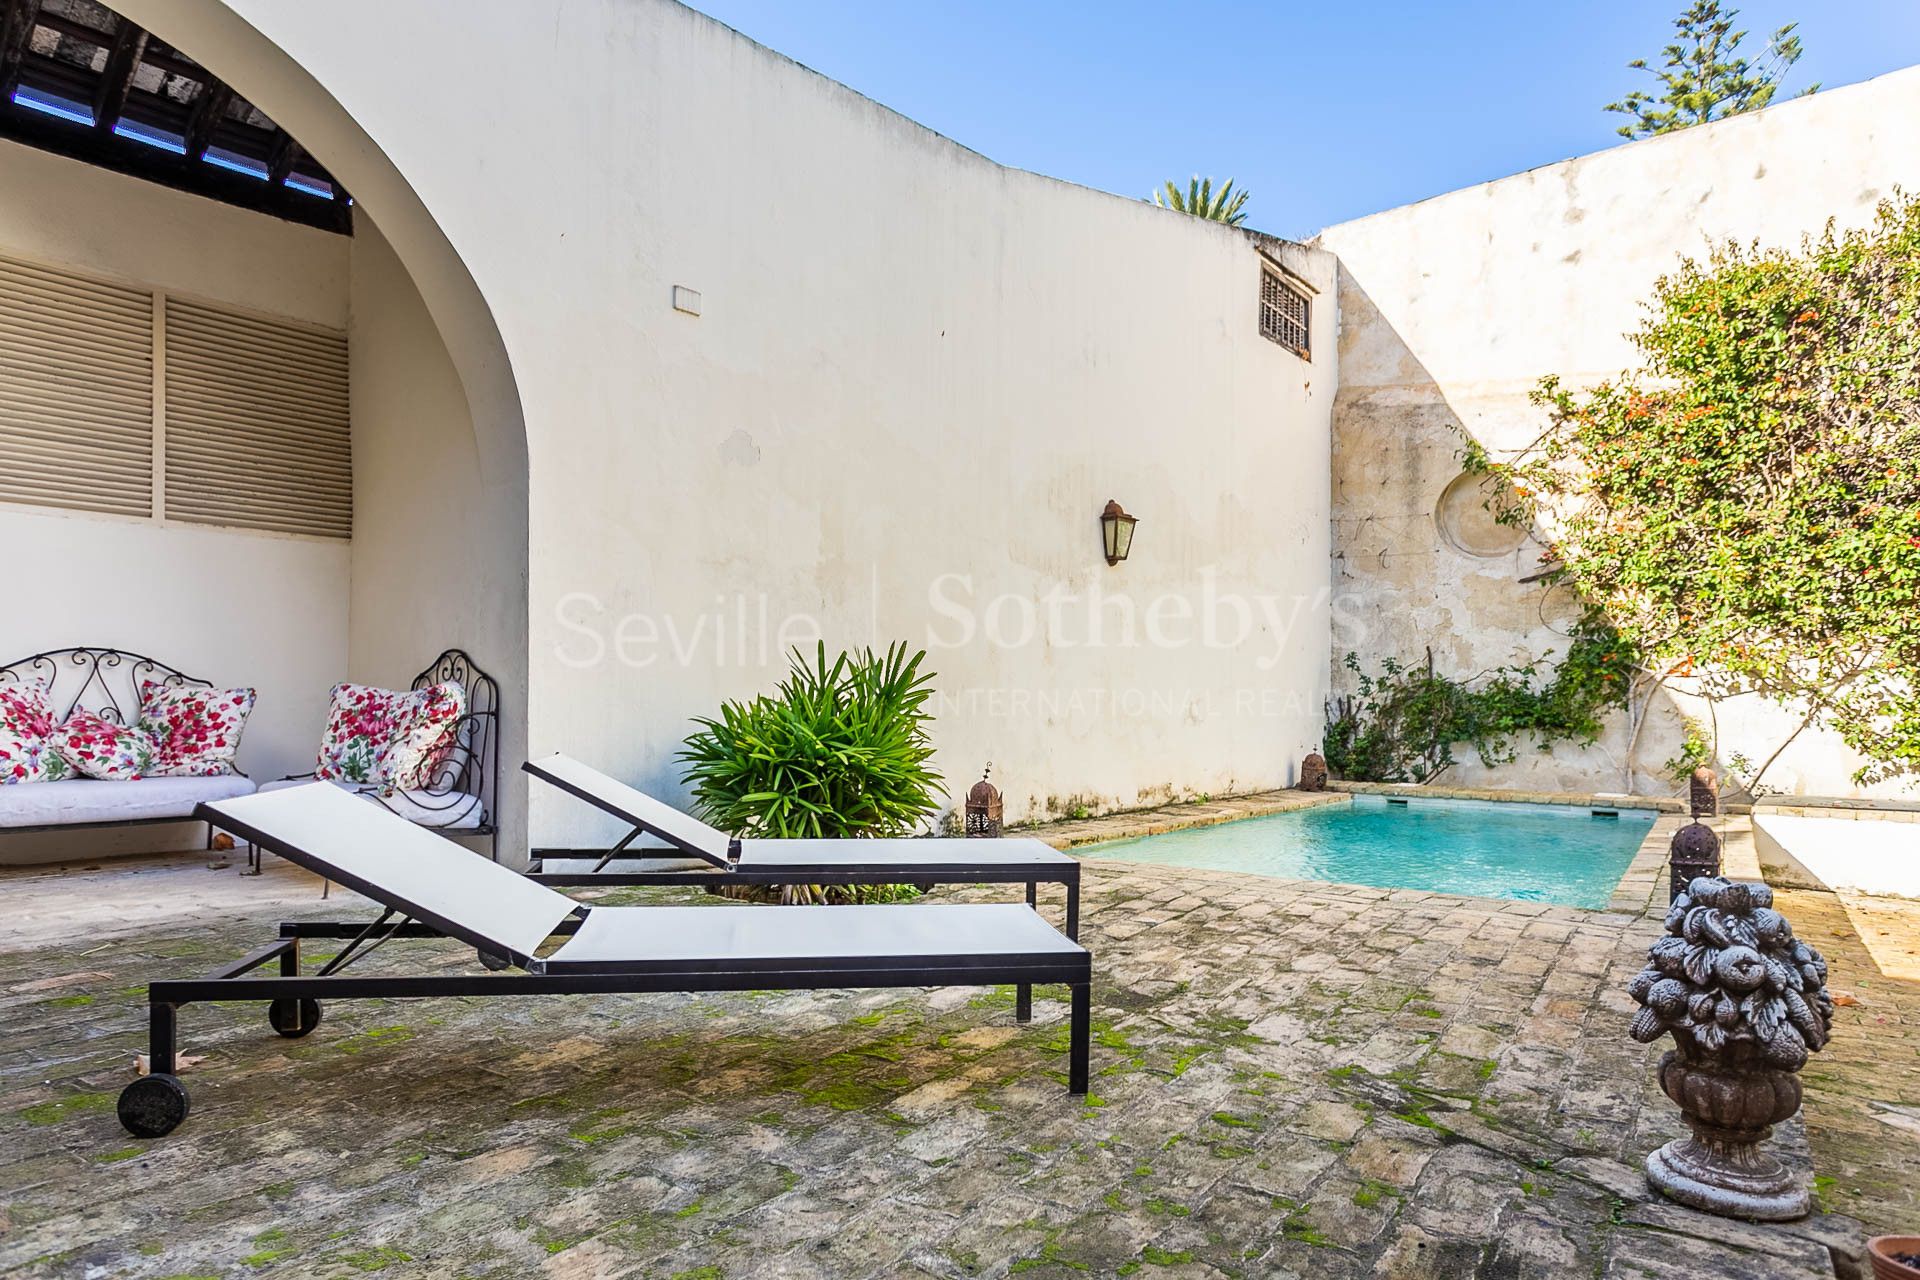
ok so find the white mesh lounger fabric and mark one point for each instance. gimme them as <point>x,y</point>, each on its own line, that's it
<point>399,865</point>
<point>946,936</point>
<point>696,839</point>
<point>438,889</point>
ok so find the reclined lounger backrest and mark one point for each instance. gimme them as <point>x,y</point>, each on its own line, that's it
<point>399,865</point>
<point>681,830</point>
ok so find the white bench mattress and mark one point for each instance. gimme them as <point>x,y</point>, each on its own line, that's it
<point>81,800</point>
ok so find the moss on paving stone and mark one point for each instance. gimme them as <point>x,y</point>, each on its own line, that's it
<point>1051,1254</point>
<point>266,1257</point>
<point>1294,1226</point>
<point>555,1243</point>
<point>599,1126</point>
<point>72,1105</point>
<point>565,1172</point>
<point>1823,1185</point>
<point>361,1041</point>
<point>668,1131</point>
<point>1371,1192</point>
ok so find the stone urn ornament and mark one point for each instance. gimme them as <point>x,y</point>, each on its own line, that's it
<point>1745,1002</point>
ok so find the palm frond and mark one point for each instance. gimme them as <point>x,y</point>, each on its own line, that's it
<point>1199,200</point>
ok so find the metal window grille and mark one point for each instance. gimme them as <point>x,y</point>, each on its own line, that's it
<point>127,401</point>
<point>1286,314</point>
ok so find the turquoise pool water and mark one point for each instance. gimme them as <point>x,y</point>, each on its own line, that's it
<point>1538,852</point>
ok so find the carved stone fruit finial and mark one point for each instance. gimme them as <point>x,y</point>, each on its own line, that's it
<point>1313,772</point>
<point>1745,1002</point>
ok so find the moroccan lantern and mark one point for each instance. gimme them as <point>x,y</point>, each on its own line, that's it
<point>983,808</point>
<point>1694,852</point>
<point>1703,792</point>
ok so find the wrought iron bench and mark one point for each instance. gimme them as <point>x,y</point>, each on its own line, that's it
<point>461,797</point>
<point>106,682</point>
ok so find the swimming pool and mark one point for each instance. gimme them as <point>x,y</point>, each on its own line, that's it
<point>1538,852</point>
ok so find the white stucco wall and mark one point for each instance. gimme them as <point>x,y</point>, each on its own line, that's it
<point>1454,307</point>
<point>422,578</point>
<point>910,363</point>
<point>235,607</point>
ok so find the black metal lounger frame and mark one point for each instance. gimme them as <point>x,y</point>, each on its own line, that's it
<point>923,876</point>
<point>156,1103</point>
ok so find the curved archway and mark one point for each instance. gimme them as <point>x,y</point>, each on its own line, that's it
<point>494,626</point>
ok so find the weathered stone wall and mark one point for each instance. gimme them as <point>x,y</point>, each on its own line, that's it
<point>1452,309</point>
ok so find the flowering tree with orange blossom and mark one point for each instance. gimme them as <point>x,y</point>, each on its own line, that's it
<point>1745,506</point>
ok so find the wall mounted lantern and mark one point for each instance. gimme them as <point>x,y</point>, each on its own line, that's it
<point>1116,529</point>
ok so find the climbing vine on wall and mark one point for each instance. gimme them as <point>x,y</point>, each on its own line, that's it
<point>1405,721</point>
<point>1746,504</point>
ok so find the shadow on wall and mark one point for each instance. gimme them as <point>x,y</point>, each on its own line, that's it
<point>1419,564</point>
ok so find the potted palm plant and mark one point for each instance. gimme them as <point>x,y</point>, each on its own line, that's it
<point>839,750</point>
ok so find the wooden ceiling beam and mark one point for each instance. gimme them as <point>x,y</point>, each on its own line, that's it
<point>155,165</point>
<point>284,154</point>
<point>56,21</point>
<point>209,109</point>
<point>16,36</point>
<point>116,78</point>
<point>173,64</point>
<point>204,120</point>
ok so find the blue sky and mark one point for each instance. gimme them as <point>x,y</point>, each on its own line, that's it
<point>1324,111</point>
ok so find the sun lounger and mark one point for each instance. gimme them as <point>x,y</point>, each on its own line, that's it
<point>432,888</point>
<point>695,853</point>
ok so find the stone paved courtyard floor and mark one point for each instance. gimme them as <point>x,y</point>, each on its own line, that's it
<point>1291,1079</point>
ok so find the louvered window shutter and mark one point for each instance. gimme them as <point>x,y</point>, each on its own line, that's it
<point>257,426</point>
<point>76,391</point>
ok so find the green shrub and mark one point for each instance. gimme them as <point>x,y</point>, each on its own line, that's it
<point>1402,724</point>
<point>841,750</point>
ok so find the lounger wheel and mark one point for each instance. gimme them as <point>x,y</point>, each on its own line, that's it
<point>294,1018</point>
<point>488,960</point>
<point>153,1105</point>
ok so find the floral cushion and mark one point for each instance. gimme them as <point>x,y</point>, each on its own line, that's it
<point>431,738</point>
<point>195,730</point>
<point>100,748</point>
<point>26,723</point>
<point>387,737</point>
